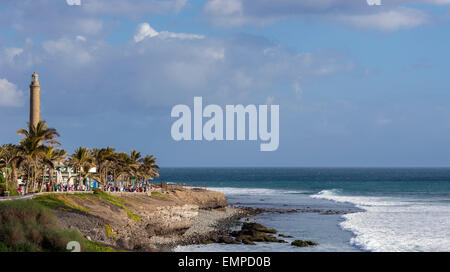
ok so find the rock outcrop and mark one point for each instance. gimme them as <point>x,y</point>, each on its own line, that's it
<point>131,221</point>
<point>301,243</point>
<point>205,199</point>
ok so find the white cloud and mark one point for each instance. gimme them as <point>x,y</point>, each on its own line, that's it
<point>70,50</point>
<point>145,31</point>
<point>215,53</point>
<point>226,12</point>
<point>133,9</point>
<point>229,7</point>
<point>47,19</point>
<point>373,2</point>
<point>11,53</point>
<point>73,2</point>
<point>374,14</point>
<point>179,5</point>
<point>229,69</point>
<point>183,36</point>
<point>437,2</point>
<point>81,38</point>
<point>388,20</point>
<point>10,95</point>
<point>88,26</point>
<point>16,58</point>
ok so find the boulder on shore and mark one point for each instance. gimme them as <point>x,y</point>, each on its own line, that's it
<point>254,232</point>
<point>301,243</point>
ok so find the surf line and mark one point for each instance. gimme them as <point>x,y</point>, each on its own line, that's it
<point>212,129</point>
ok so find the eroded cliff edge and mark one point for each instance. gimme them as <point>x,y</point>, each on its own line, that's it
<point>148,222</point>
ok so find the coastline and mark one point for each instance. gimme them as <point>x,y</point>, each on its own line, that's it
<point>170,217</point>
<point>157,221</point>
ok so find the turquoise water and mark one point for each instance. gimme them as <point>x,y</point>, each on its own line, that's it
<point>386,209</point>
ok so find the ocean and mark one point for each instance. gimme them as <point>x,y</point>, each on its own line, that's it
<point>382,209</point>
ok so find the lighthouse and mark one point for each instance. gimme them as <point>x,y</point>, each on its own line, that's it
<point>35,100</point>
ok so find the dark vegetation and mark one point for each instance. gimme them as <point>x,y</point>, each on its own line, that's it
<point>28,225</point>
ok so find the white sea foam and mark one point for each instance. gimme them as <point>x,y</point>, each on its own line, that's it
<point>395,224</point>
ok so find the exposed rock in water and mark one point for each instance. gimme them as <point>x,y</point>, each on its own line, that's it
<point>249,234</point>
<point>301,243</point>
<point>254,232</point>
<point>248,242</point>
<point>248,227</point>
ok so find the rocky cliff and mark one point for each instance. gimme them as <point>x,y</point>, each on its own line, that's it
<point>134,221</point>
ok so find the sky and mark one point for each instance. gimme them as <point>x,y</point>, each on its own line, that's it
<point>359,83</point>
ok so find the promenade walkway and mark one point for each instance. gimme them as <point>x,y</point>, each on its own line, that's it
<point>31,196</point>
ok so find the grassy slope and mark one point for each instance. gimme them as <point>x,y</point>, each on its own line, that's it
<point>31,225</point>
<point>159,195</point>
<point>118,202</point>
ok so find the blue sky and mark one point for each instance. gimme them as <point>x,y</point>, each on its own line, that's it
<point>357,84</point>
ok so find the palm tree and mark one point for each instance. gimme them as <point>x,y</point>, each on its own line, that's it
<point>36,156</point>
<point>110,156</point>
<point>51,158</point>
<point>123,166</point>
<point>32,148</point>
<point>81,161</point>
<point>127,166</point>
<point>103,158</point>
<point>8,162</point>
<point>30,151</point>
<point>42,132</point>
<point>149,168</point>
<point>134,164</point>
<point>135,156</point>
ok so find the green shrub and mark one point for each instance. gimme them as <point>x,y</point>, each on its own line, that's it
<point>59,202</point>
<point>26,225</point>
<point>2,184</point>
<point>12,191</point>
<point>109,231</point>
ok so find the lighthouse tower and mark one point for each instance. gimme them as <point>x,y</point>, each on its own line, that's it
<point>35,100</point>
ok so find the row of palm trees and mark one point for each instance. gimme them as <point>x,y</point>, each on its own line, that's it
<point>35,159</point>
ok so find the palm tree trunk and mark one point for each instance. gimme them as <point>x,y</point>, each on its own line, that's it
<point>7,180</point>
<point>33,180</point>
<point>35,177</point>
<point>28,181</point>
<point>14,178</point>
<point>106,175</point>
<point>50,178</point>
<point>79,177</point>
